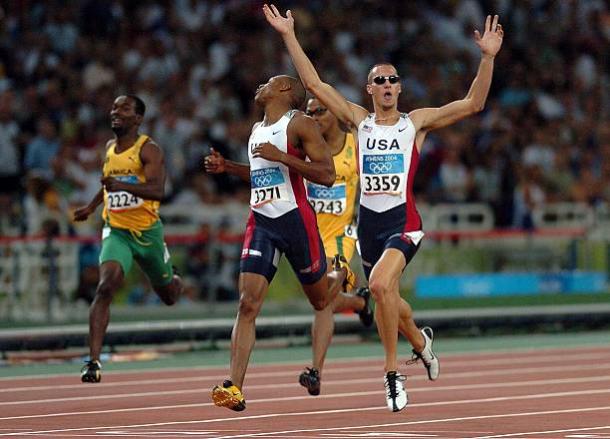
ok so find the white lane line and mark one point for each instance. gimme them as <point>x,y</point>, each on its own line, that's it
<point>324,412</point>
<point>455,358</point>
<point>342,395</point>
<point>516,371</point>
<point>567,430</point>
<point>343,371</point>
<point>345,383</point>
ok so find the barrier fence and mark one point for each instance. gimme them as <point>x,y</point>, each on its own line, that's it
<point>54,278</point>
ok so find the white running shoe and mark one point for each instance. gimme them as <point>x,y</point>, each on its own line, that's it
<point>396,395</point>
<point>427,355</point>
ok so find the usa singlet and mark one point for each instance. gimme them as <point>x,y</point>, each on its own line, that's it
<point>388,162</point>
<point>388,218</point>
<point>281,220</point>
<point>123,209</point>
<point>274,189</point>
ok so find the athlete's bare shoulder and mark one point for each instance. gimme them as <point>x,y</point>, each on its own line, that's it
<point>300,122</point>
<point>150,143</point>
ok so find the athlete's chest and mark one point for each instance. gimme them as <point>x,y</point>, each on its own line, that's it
<point>125,163</point>
<point>380,139</point>
<point>275,135</point>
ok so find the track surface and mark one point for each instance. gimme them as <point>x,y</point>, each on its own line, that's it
<point>552,393</point>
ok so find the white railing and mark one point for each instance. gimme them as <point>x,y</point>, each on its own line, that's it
<point>564,216</point>
<point>38,277</point>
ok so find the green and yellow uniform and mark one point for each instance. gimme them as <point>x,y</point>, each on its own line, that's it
<point>132,228</point>
<point>335,205</point>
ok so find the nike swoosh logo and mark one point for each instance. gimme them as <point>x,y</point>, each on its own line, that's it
<point>275,132</point>
<point>400,131</point>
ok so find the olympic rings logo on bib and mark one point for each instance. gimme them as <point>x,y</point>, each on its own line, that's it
<point>262,180</point>
<point>380,168</point>
<point>324,193</point>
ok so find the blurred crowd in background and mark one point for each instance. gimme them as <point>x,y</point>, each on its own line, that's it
<point>542,137</point>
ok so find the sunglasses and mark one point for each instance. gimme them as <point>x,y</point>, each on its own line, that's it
<point>318,111</point>
<point>380,80</point>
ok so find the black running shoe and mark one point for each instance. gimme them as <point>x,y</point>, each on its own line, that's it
<point>310,379</point>
<point>91,372</point>
<point>366,314</point>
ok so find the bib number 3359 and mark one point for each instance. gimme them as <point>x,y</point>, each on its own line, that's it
<point>382,183</point>
<point>383,174</point>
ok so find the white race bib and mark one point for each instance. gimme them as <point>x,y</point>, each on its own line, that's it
<point>383,174</point>
<point>121,200</point>
<point>267,184</point>
<point>351,231</point>
<point>324,199</point>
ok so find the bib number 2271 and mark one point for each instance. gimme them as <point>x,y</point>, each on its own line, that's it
<point>266,194</point>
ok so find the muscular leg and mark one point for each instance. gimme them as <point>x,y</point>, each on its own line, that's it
<point>347,302</point>
<point>171,292</point>
<point>320,295</point>
<point>407,326</point>
<point>383,283</point>
<point>323,325</point>
<point>252,291</point>
<point>111,278</point>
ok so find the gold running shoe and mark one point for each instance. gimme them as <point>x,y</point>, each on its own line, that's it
<point>228,396</point>
<point>340,262</point>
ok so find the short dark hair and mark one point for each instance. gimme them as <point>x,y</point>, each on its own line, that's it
<point>369,77</point>
<point>139,104</point>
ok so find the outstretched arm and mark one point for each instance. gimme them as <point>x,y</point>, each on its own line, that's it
<point>427,119</point>
<point>348,113</point>
<point>215,163</point>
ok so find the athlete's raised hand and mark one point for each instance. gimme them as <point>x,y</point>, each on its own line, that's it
<point>281,24</point>
<point>267,151</point>
<point>491,41</point>
<point>214,163</point>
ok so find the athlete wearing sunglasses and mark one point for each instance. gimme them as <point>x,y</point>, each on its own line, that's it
<point>392,79</point>
<point>390,228</point>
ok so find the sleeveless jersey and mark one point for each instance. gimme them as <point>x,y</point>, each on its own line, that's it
<point>274,188</point>
<point>122,209</point>
<point>334,206</point>
<point>388,160</point>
